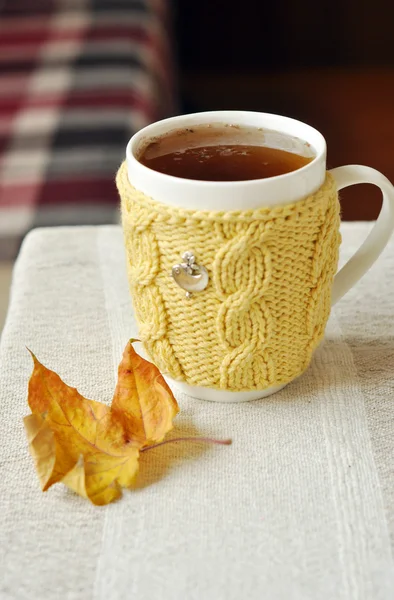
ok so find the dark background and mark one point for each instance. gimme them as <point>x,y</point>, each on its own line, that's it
<point>328,63</point>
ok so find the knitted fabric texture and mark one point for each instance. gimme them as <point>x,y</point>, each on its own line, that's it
<point>267,302</point>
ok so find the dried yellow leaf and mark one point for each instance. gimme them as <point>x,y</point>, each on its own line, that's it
<point>90,447</point>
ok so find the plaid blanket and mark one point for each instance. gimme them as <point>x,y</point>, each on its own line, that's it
<point>77,78</point>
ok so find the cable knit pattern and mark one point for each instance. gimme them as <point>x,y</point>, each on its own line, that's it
<point>268,298</point>
<point>241,276</point>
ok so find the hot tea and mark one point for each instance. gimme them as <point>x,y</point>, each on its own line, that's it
<point>221,152</point>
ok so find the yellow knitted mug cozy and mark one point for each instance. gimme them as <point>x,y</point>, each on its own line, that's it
<point>267,301</point>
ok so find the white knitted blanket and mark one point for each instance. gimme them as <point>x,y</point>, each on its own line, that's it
<point>300,507</point>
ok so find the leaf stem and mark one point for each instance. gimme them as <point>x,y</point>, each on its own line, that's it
<point>204,440</point>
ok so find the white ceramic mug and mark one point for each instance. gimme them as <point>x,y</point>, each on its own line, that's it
<point>241,195</point>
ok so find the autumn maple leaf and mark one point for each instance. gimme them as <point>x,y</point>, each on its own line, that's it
<point>88,446</point>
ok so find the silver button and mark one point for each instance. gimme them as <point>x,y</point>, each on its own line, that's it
<point>189,275</point>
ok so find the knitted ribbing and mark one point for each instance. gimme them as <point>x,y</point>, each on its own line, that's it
<point>268,298</point>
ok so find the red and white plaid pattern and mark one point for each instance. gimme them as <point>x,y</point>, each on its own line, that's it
<point>77,78</point>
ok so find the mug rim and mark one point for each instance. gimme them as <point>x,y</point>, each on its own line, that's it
<point>216,116</point>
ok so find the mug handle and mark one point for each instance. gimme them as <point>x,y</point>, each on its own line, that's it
<point>377,239</point>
